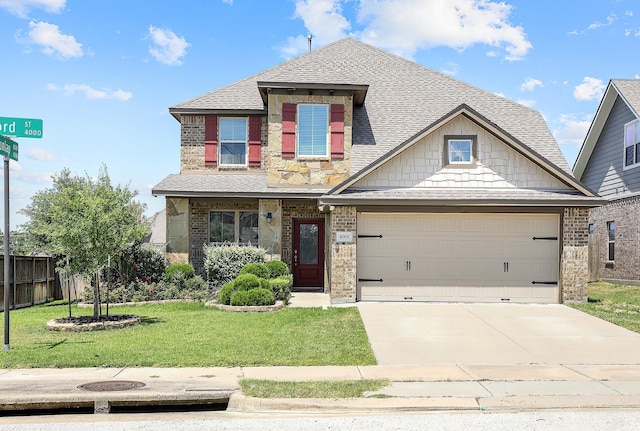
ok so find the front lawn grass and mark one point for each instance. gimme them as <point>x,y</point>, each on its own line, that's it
<point>615,303</point>
<point>310,389</point>
<point>190,335</point>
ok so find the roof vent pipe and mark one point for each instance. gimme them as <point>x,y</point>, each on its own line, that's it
<point>309,37</point>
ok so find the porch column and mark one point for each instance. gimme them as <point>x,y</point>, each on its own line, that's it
<point>177,229</point>
<point>343,254</point>
<point>270,227</point>
<point>574,268</point>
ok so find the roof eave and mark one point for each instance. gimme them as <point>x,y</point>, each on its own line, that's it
<point>587,202</point>
<point>359,91</point>
<point>177,112</point>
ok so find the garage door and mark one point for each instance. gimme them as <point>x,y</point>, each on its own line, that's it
<point>458,257</point>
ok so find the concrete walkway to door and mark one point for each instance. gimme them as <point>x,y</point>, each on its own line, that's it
<point>428,333</point>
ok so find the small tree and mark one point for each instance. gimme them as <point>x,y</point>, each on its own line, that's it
<point>86,220</point>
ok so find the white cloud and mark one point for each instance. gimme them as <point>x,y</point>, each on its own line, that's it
<point>451,68</point>
<point>40,154</point>
<point>404,26</point>
<point>168,47</point>
<point>590,89</point>
<point>228,2</point>
<point>31,177</point>
<point>530,84</point>
<point>610,20</point>
<point>323,19</point>
<point>571,131</point>
<point>53,42</point>
<point>92,93</point>
<point>22,7</point>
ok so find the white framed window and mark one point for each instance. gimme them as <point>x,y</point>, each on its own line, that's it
<point>233,141</point>
<point>312,139</point>
<point>631,144</point>
<point>460,149</point>
<point>233,226</point>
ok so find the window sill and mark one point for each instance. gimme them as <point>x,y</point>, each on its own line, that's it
<point>471,165</point>
<point>609,265</point>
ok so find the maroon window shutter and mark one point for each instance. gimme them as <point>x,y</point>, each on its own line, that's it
<point>288,130</point>
<point>255,130</point>
<point>210,140</point>
<point>337,131</point>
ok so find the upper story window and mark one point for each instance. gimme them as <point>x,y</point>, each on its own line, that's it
<point>611,240</point>
<point>460,150</point>
<point>233,141</point>
<point>313,131</point>
<point>632,144</point>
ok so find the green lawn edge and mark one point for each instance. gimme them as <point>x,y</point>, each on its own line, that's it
<point>615,303</point>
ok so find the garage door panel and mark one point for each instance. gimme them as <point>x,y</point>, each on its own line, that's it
<point>458,257</point>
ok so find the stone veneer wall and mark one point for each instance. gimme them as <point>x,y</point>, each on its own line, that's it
<point>574,267</point>
<point>199,224</point>
<point>626,215</point>
<point>192,145</point>
<point>297,209</point>
<point>343,256</point>
<point>311,171</point>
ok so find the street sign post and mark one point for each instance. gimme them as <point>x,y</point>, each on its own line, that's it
<point>21,127</point>
<point>8,148</point>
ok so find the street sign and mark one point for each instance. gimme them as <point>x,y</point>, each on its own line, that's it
<point>8,148</point>
<point>21,127</point>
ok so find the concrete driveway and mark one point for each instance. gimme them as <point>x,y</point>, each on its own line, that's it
<point>424,333</point>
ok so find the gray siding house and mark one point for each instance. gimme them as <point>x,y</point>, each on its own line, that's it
<point>609,163</point>
<point>374,178</point>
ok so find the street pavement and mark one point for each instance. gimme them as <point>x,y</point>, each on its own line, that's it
<point>446,357</point>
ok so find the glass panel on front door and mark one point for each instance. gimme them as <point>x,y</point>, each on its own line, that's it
<point>308,244</point>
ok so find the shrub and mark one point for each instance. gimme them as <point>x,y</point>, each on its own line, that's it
<point>281,288</point>
<point>252,297</point>
<point>258,269</point>
<point>247,282</point>
<point>185,269</point>
<point>223,263</point>
<point>224,296</point>
<point>141,262</point>
<point>277,268</point>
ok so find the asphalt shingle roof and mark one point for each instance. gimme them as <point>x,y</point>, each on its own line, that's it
<point>403,98</point>
<point>630,90</point>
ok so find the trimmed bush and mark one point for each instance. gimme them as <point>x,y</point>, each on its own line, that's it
<point>253,297</point>
<point>247,282</point>
<point>224,296</point>
<point>277,268</point>
<point>223,263</point>
<point>258,269</point>
<point>281,288</point>
<point>184,271</point>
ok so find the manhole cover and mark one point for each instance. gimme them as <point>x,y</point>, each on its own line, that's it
<point>112,385</point>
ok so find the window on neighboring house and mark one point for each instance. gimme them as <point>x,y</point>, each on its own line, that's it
<point>632,144</point>
<point>459,150</point>
<point>233,141</point>
<point>233,226</point>
<point>590,228</point>
<point>313,130</point>
<point>611,228</point>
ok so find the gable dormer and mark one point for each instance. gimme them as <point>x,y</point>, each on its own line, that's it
<point>310,132</point>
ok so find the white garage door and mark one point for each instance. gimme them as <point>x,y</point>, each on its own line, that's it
<point>458,257</point>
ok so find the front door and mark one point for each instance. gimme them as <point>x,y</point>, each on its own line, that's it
<point>308,253</point>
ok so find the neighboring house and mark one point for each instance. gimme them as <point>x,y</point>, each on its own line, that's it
<point>609,163</point>
<point>375,178</point>
<point>157,236</point>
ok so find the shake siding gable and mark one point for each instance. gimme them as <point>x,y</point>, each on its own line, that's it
<point>255,129</point>
<point>288,130</point>
<point>211,140</point>
<point>604,172</point>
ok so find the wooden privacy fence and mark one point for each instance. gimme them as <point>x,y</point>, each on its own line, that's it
<point>32,280</point>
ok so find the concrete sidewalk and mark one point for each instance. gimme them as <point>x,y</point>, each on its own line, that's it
<point>413,387</point>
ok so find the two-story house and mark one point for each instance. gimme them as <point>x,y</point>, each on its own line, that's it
<point>375,178</point>
<point>609,163</point>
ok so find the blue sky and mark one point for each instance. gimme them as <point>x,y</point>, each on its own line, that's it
<point>102,74</point>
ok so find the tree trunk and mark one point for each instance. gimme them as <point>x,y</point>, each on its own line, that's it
<point>96,296</point>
